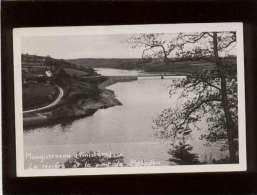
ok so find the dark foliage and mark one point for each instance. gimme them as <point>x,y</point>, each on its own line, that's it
<point>182,155</point>
<point>94,159</point>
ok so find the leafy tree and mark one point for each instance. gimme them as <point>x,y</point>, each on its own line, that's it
<point>210,94</point>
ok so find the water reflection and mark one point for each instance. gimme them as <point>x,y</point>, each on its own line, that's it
<point>66,126</point>
<point>183,155</point>
<point>125,129</point>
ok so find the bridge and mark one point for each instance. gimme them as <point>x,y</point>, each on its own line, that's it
<point>161,76</point>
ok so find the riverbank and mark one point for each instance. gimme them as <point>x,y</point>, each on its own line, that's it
<point>81,99</point>
<point>116,79</point>
<point>173,65</point>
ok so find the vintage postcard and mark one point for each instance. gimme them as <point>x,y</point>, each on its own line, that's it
<point>129,99</point>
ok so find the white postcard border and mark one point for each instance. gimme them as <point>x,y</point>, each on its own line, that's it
<point>18,33</point>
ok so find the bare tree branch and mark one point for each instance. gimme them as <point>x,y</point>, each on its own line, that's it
<point>228,44</point>
<point>209,34</point>
<point>195,38</point>
<point>194,106</point>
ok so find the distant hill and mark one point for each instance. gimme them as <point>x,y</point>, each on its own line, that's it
<point>34,63</point>
<point>182,65</point>
<point>121,63</point>
<point>150,65</point>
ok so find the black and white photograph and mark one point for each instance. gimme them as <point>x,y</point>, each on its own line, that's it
<point>129,99</point>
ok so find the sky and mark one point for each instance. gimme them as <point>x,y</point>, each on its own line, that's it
<point>88,46</point>
<point>84,46</point>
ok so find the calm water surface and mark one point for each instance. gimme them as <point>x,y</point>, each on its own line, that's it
<point>125,129</point>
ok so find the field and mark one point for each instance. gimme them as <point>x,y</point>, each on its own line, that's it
<point>37,95</point>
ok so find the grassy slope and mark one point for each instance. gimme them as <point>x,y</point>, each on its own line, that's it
<point>82,96</point>
<point>38,95</point>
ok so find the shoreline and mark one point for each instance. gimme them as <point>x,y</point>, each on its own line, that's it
<point>83,107</point>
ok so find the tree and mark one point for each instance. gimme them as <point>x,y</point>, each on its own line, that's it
<point>154,43</point>
<point>210,94</point>
<point>182,155</point>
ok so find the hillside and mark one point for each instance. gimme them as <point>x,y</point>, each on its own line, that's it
<point>121,63</point>
<point>77,86</point>
<point>38,64</point>
<point>175,65</point>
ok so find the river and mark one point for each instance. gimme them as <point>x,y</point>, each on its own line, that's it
<point>125,129</point>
